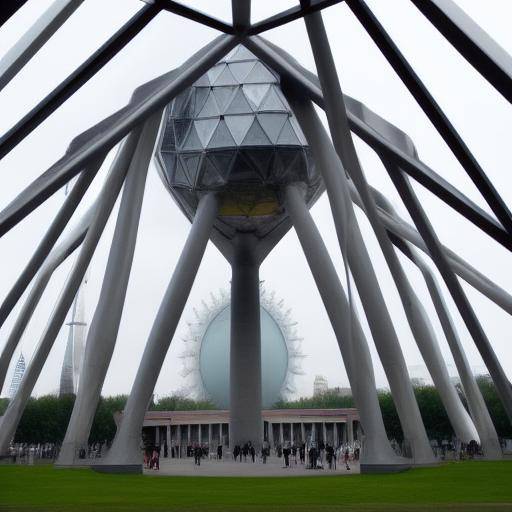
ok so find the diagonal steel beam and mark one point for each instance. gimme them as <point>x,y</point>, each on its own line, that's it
<point>194,15</point>
<point>370,132</point>
<point>292,14</point>
<point>35,38</point>
<point>76,79</point>
<point>433,111</point>
<point>146,100</point>
<point>9,8</point>
<point>471,41</point>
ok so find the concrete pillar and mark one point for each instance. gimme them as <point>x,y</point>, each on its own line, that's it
<point>324,432</point>
<point>188,434</point>
<point>168,438</point>
<point>245,347</point>
<point>281,434</point>
<point>157,435</point>
<point>292,440</point>
<point>125,449</point>
<point>335,434</point>
<point>302,433</point>
<point>209,435</point>
<point>350,431</point>
<point>221,439</point>
<point>102,335</point>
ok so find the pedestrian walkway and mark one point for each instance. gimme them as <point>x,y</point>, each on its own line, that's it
<point>273,467</point>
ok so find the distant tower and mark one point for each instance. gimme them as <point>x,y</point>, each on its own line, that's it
<point>320,385</point>
<point>73,355</point>
<point>18,375</point>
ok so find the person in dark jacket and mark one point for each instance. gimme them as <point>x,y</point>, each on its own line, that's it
<point>219,452</point>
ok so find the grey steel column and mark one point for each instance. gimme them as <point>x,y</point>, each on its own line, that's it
<point>245,346</point>
<point>54,259</point>
<point>125,449</point>
<point>477,407</point>
<point>50,238</point>
<point>393,223</point>
<point>351,243</point>
<point>346,326</point>
<point>466,311</point>
<point>342,140</point>
<point>102,335</point>
<point>109,195</point>
<point>35,37</point>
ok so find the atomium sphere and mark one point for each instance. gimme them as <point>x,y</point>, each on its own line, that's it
<point>206,359</point>
<point>234,132</point>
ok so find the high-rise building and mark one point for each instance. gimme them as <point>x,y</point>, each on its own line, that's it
<point>19,370</point>
<point>320,385</point>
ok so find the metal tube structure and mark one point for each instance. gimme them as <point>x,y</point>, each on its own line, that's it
<point>75,80</point>
<point>105,135</point>
<point>488,437</point>
<point>107,200</point>
<point>307,85</point>
<point>125,451</point>
<point>432,110</point>
<point>365,279</point>
<point>245,346</point>
<point>54,259</point>
<point>467,313</point>
<point>102,335</point>
<point>35,37</point>
<point>351,340</point>
<point>50,238</point>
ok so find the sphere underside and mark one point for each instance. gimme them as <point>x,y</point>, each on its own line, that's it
<point>214,359</point>
<point>234,132</point>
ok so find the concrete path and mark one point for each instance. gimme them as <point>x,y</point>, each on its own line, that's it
<point>273,467</point>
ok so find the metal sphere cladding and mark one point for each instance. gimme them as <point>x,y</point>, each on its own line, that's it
<point>234,132</point>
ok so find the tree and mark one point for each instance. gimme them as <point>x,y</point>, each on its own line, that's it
<point>4,402</point>
<point>104,426</point>
<point>496,409</point>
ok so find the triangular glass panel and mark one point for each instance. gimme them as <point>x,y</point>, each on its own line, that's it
<point>202,94</point>
<point>210,108</point>
<point>205,129</point>
<point>179,178</point>
<point>222,138</point>
<point>242,53</point>
<point>286,163</point>
<point>181,127</point>
<point>272,124</point>
<point>210,178</point>
<point>168,140</point>
<point>178,105</point>
<point>239,104</point>
<point>260,75</point>
<point>223,96</point>
<point>256,136</point>
<point>226,78</point>
<point>230,55</point>
<point>255,93</point>
<point>241,69</point>
<point>296,128</point>
<point>213,73</point>
<point>238,126</point>
<point>261,159</point>
<point>223,161</point>
<point>244,171</point>
<point>192,141</point>
<point>272,101</point>
<point>203,81</point>
<point>191,163</point>
<point>288,136</point>
<point>169,158</point>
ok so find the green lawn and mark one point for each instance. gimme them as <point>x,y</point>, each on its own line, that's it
<point>476,486</point>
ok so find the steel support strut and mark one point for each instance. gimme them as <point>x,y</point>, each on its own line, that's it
<point>466,311</point>
<point>102,335</point>
<point>433,111</point>
<point>125,450</point>
<point>109,195</point>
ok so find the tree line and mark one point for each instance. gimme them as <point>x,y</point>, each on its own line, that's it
<point>45,418</point>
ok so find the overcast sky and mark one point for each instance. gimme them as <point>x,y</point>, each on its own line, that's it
<point>481,115</point>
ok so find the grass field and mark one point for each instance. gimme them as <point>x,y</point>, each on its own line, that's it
<point>475,486</point>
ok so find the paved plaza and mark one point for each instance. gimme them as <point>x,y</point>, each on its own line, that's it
<point>273,467</point>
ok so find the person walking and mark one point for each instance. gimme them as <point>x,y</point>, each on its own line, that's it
<point>219,452</point>
<point>302,453</point>
<point>252,451</point>
<point>197,455</point>
<point>346,458</point>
